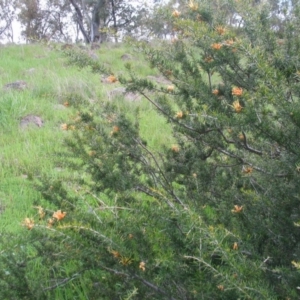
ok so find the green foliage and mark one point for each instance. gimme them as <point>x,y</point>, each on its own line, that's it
<point>212,215</point>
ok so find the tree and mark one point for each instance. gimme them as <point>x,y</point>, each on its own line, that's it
<point>216,214</point>
<point>44,21</point>
<point>7,15</point>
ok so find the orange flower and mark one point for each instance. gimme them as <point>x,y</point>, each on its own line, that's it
<point>115,131</point>
<point>215,92</point>
<point>241,137</point>
<point>235,246</point>
<point>237,106</point>
<point>59,215</point>
<point>192,5</point>
<point>170,88</point>
<point>29,223</point>
<point>64,126</point>
<point>115,254</point>
<point>176,13</point>
<point>50,222</point>
<point>220,287</point>
<point>142,266</point>
<point>229,42</point>
<point>237,209</point>
<point>220,30</point>
<point>208,59</point>
<point>41,211</point>
<point>66,104</point>
<point>216,46</point>
<point>175,148</point>
<point>111,79</point>
<point>247,170</point>
<point>180,115</point>
<point>237,91</point>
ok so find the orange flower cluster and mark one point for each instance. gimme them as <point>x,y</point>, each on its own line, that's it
<point>237,209</point>
<point>170,88</point>
<point>220,30</point>
<point>28,223</point>
<point>176,13</point>
<point>215,92</point>
<point>180,115</point>
<point>216,46</point>
<point>111,79</point>
<point>237,106</point>
<point>142,266</point>
<point>237,91</point>
<point>59,215</point>
<point>175,148</point>
<point>229,42</point>
<point>67,127</point>
<point>208,59</point>
<point>235,246</point>
<point>247,170</point>
<point>115,130</point>
<point>220,287</point>
<point>192,5</point>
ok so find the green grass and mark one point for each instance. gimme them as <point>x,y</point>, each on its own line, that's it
<point>28,153</point>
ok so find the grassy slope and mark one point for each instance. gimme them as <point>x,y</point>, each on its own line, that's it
<point>28,153</point>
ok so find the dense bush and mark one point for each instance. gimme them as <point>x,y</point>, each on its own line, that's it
<point>215,215</point>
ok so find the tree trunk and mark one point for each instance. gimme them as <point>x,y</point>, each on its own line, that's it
<point>80,22</point>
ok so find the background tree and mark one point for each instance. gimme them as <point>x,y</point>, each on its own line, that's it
<point>7,15</point>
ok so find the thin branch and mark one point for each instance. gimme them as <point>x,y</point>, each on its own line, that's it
<point>248,147</point>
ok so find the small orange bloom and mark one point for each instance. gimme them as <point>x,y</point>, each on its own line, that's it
<point>192,5</point>
<point>180,115</point>
<point>229,42</point>
<point>216,46</point>
<point>115,254</point>
<point>241,137</point>
<point>115,131</point>
<point>176,13</point>
<point>29,223</point>
<point>41,211</point>
<point>50,222</point>
<point>237,106</point>
<point>237,209</point>
<point>247,170</point>
<point>215,92</point>
<point>220,30</point>
<point>64,126</point>
<point>175,148</point>
<point>170,88</point>
<point>59,215</point>
<point>142,266</point>
<point>235,246</point>
<point>208,59</point>
<point>111,79</point>
<point>237,91</point>
<point>220,287</point>
<point>66,104</point>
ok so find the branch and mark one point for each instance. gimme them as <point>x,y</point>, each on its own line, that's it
<point>248,147</point>
<point>80,21</point>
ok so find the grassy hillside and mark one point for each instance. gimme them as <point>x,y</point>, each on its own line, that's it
<point>53,92</point>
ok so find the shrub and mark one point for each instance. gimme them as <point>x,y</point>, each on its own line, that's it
<point>214,215</point>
